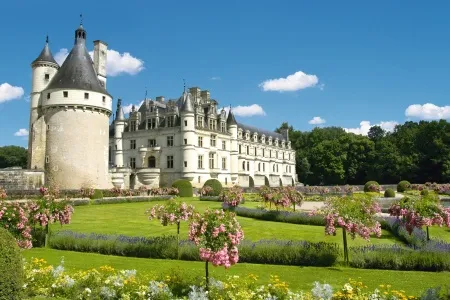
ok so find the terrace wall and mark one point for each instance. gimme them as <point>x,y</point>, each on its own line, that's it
<point>19,179</point>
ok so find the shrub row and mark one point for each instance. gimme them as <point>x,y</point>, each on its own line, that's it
<point>398,258</point>
<point>184,187</point>
<point>210,198</point>
<point>279,252</point>
<point>280,216</point>
<point>114,200</point>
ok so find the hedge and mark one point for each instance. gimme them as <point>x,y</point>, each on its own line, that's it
<point>369,184</point>
<point>184,187</point>
<point>215,185</point>
<point>11,268</point>
<point>403,186</point>
<point>389,193</point>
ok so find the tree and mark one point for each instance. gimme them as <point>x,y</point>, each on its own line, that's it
<point>13,156</point>
<point>376,133</point>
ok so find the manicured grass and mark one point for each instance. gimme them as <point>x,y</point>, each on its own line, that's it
<point>130,219</point>
<point>439,233</point>
<point>299,278</point>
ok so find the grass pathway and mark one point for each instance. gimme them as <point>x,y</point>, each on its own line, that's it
<point>299,278</point>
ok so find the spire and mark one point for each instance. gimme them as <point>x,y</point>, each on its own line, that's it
<point>80,33</point>
<point>186,105</point>
<point>119,111</point>
<point>46,54</point>
<point>231,120</point>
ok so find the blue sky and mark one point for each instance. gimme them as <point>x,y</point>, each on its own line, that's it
<point>331,63</point>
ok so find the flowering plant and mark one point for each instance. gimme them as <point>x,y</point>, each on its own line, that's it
<point>422,211</point>
<point>14,217</point>
<point>217,234</point>
<point>206,191</point>
<point>232,196</point>
<point>116,191</point>
<point>3,194</point>
<point>354,215</point>
<point>87,192</point>
<point>294,196</point>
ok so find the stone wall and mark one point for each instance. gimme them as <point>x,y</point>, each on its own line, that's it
<point>19,179</point>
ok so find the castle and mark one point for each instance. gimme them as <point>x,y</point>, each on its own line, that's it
<point>71,137</point>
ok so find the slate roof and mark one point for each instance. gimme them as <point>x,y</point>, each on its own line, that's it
<point>259,131</point>
<point>45,56</point>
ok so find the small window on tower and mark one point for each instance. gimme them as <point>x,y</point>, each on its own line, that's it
<point>185,123</point>
<point>104,99</point>
<point>66,94</point>
<point>47,76</point>
<point>48,95</point>
<point>46,159</point>
<point>86,95</point>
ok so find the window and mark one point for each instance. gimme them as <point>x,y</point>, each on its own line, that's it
<point>200,162</point>
<point>132,144</point>
<point>48,95</point>
<point>211,160</point>
<point>264,154</point>
<point>226,180</point>
<point>274,168</point>
<point>223,128</point>
<point>264,167</point>
<point>248,150</point>
<point>185,123</point>
<point>151,123</point>
<point>185,141</point>
<point>270,153</point>
<point>132,162</point>
<point>152,162</point>
<point>46,159</point>
<point>185,164</point>
<point>133,126</point>
<point>240,149</point>
<point>200,141</point>
<point>212,124</point>
<point>224,163</point>
<point>255,151</point>
<point>243,165</point>
<point>151,143</point>
<point>104,99</point>
<point>170,162</point>
<point>47,76</point>
<point>248,166</point>
<point>170,141</point>
<point>198,179</point>
<point>171,121</point>
<point>200,121</point>
<point>65,94</point>
<point>277,168</point>
<point>213,140</point>
<point>224,145</point>
<point>86,95</point>
<point>283,155</point>
<point>259,167</point>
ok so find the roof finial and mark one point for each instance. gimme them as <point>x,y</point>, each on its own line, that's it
<point>184,88</point>
<point>81,19</point>
<point>145,98</point>
<point>46,39</point>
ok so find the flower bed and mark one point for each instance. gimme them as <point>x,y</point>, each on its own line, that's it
<point>280,216</point>
<point>299,253</point>
<point>44,280</point>
<point>210,198</point>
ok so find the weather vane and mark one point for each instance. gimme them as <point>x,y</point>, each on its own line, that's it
<point>145,93</point>
<point>81,19</point>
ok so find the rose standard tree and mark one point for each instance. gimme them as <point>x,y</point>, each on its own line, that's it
<point>217,234</point>
<point>355,216</point>
<point>418,212</point>
<point>172,212</point>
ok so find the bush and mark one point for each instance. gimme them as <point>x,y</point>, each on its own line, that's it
<point>424,192</point>
<point>215,185</point>
<point>403,186</point>
<point>280,216</point>
<point>389,193</point>
<point>98,194</point>
<point>11,269</point>
<point>371,186</point>
<point>184,187</point>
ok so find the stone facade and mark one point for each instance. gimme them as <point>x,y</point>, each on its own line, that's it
<point>18,179</point>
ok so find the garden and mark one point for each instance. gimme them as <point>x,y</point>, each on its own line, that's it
<point>271,243</point>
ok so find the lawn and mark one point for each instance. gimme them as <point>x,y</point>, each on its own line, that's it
<point>299,278</point>
<point>440,233</point>
<point>130,219</point>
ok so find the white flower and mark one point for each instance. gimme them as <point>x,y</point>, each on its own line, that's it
<point>88,290</point>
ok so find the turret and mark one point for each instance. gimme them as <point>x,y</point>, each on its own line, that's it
<point>44,68</point>
<point>119,126</point>
<point>187,115</point>
<point>233,130</point>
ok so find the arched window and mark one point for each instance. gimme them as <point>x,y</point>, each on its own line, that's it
<point>151,162</point>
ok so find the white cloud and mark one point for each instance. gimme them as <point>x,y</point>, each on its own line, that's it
<point>364,127</point>
<point>127,108</point>
<point>297,81</point>
<point>317,121</point>
<point>21,132</point>
<point>215,78</point>
<point>246,111</point>
<point>428,111</point>
<point>9,92</point>
<point>116,63</point>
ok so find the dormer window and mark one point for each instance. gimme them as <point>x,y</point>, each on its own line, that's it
<point>255,137</point>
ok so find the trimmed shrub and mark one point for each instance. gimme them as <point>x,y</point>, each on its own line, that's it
<point>215,185</point>
<point>389,193</point>
<point>371,186</point>
<point>184,187</point>
<point>424,192</point>
<point>403,186</point>
<point>11,269</point>
<point>280,216</point>
<point>98,194</point>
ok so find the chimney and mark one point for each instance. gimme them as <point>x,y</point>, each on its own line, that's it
<point>285,134</point>
<point>100,55</point>
<point>160,99</point>
<point>205,95</point>
<point>195,93</point>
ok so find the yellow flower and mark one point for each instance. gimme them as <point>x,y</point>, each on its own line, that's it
<point>382,286</point>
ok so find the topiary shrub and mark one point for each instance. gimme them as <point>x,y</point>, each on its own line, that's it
<point>389,193</point>
<point>371,186</point>
<point>11,268</point>
<point>184,187</point>
<point>215,185</point>
<point>424,192</point>
<point>403,186</point>
<point>98,194</point>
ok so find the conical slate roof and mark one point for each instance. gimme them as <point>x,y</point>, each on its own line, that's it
<point>187,103</point>
<point>77,71</point>
<point>231,120</point>
<point>45,56</point>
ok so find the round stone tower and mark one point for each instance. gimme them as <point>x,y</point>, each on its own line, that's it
<point>233,130</point>
<point>188,135</point>
<point>77,109</point>
<point>44,69</point>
